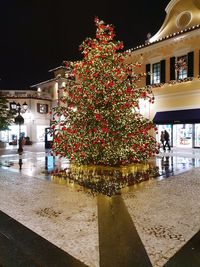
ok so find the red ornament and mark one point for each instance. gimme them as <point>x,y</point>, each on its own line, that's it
<point>98,116</point>
<point>105,130</point>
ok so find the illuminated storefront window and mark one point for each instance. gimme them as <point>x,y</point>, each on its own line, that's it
<point>40,132</point>
<point>197,135</point>
<point>13,133</point>
<point>182,135</point>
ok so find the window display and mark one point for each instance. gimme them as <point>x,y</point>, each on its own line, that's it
<point>197,135</point>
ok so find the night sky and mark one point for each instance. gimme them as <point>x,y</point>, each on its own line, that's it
<point>38,35</point>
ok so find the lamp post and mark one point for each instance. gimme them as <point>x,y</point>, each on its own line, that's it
<point>19,120</point>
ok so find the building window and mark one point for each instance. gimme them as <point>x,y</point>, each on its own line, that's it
<point>181,67</point>
<point>156,73</point>
<point>183,19</point>
<point>42,108</point>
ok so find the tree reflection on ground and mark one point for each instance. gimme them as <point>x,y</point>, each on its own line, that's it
<point>106,180</point>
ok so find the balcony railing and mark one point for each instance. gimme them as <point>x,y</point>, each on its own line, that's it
<point>28,94</point>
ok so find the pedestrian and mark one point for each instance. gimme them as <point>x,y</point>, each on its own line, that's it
<point>166,137</point>
<point>162,139</point>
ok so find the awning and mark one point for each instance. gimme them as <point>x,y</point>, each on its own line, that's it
<point>177,116</point>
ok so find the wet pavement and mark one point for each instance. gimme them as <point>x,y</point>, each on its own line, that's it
<point>38,162</point>
<point>35,161</point>
<point>172,163</point>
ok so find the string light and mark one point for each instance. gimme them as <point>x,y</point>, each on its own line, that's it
<point>167,37</point>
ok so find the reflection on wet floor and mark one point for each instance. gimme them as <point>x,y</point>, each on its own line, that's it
<point>105,179</point>
<point>170,165</point>
<point>42,164</point>
<point>39,164</point>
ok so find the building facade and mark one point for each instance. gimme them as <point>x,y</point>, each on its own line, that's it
<point>171,60</point>
<point>41,98</point>
<point>36,118</point>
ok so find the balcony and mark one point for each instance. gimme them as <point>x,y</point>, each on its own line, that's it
<point>9,94</point>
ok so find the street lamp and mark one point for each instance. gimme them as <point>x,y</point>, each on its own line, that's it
<point>19,120</point>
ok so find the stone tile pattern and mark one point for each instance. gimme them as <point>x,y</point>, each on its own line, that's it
<point>166,213</point>
<point>60,214</point>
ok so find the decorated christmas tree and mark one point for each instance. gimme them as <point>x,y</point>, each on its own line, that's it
<point>98,121</point>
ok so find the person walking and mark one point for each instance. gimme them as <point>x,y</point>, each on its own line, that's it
<point>162,140</point>
<point>166,137</point>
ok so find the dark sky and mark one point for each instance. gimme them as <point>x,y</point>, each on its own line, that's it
<point>37,35</point>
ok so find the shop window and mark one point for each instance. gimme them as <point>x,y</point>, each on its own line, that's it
<point>182,135</point>
<point>197,135</point>
<point>42,108</point>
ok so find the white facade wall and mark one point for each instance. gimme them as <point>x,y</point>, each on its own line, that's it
<point>34,121</point>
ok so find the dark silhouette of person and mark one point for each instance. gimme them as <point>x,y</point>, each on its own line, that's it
<point>165,165</point>
<point>162,139</point>
<point>20,164</point>
<point>166,137</point>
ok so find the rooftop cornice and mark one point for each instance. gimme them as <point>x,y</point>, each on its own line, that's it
<point>172,35</point>
<point>47,81</point>
<point>171,5</point>
<point>57,68</point>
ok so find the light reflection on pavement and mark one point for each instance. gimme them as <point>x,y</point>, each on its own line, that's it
<point>173,165</point>
<point>38,162</point>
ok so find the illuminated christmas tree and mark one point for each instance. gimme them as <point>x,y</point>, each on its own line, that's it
<point>98,120</point>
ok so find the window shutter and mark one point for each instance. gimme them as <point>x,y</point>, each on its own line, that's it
<point>191,64</point>
<point>148,77</point>
<point>162,71</point>
<point>172,68</point>
<point>38,107</point>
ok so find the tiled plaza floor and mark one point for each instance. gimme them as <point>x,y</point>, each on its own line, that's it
<point>155,223</point>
